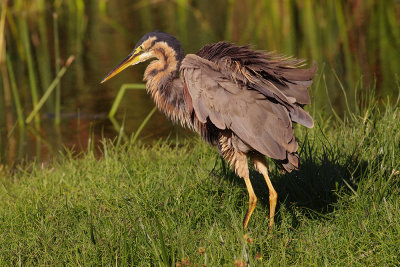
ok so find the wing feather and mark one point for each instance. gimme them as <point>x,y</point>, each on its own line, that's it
<point>263,124</point>
<point>275,76</point>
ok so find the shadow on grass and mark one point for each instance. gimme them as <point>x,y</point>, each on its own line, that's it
<point>314,188</point>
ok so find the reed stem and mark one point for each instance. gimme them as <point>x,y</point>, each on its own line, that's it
<point>49,90</point>
<point>15,93</point>
<point>57,67</point>
<point>121,93</point>
<point>31,69</point>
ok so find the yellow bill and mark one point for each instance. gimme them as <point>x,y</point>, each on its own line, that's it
<point>137,56</point>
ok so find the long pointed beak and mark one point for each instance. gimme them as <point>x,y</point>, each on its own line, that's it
<point>130,60</point>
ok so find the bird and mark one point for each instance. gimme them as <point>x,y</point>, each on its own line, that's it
<point>243,101</point>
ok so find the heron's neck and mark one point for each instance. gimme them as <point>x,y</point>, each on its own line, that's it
<point>164,84</point>
<point>163,69</point>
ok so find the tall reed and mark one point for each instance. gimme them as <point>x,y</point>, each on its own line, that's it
<point>31,68</point>
<point>352,38</point>
<point>57,68</point>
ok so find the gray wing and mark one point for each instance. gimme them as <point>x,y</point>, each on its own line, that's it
<point>279,78</point>
<point>263,124</point>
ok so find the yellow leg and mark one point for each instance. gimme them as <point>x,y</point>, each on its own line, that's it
<point>238,161</point>
<point>261,167</point>
<point>252,201</point>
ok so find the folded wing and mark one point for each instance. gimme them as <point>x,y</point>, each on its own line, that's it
<point>260,123</point>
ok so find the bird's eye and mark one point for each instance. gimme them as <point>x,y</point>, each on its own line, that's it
<point>141,47</point>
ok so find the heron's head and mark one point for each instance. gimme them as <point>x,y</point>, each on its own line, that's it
<point>155,44</point>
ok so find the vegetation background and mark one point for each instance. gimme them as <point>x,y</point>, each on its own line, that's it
<point>81,187</point>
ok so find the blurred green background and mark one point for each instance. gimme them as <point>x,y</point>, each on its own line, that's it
<point>48,102</point>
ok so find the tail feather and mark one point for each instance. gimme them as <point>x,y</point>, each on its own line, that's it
<point>291,162</point>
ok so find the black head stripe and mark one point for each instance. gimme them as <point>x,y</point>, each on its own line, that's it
<point>164,37</point>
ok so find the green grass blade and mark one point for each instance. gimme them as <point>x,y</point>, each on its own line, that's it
<point>121,134</point>
<point>121,92</point>
<point>119,128</point>
<point>164,254</point>
<point>144,122</point>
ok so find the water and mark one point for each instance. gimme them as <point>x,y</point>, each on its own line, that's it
<point>358,41</point>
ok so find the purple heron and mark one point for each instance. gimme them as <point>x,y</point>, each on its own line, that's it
<point>241,100</point>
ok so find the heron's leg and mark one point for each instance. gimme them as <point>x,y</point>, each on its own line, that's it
<point>261,166</point>
<point>238,160</point>
<point>252,201</point>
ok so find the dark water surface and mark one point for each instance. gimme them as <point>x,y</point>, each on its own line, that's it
<point>358,41</point>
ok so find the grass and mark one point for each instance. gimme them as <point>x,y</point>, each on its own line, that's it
<point>178,204</point>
